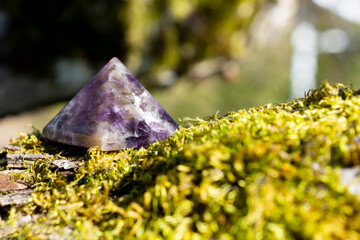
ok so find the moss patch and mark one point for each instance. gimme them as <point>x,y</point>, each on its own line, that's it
<point>265,173</point>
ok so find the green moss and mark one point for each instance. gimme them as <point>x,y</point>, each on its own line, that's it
<point>266,173</point>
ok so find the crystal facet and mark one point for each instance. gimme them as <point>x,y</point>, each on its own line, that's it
<point>112,111</point>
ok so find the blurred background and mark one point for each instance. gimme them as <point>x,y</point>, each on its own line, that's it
<point>195,57</point>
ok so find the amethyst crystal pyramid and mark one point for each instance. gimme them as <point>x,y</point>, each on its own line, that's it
<point>113,111</point>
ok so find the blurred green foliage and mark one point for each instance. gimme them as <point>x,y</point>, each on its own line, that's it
<point>153,35</point>
<point>175,34</point>
<point>261,80</point>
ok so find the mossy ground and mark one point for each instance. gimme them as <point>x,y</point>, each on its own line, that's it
<point>264,173</point>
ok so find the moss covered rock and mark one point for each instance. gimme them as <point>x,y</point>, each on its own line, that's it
<point>270,172</point>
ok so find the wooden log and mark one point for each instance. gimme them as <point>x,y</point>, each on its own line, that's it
<point>17,198</point>
<point>6,182</point>
<point>12,148</point>
<point>65,165</point>
<point>21,157</point>
<point>19,160</point>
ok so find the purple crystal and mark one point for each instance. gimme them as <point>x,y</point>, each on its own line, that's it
<point>113,111</point>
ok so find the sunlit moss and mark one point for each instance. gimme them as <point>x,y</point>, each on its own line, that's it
<point>266,173</point>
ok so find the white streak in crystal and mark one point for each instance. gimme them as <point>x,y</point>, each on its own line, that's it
<point>137,100</point>
<point>116,75</point>
<point>119,68</point>
<point>149,117</point>
<point>108,139</point>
